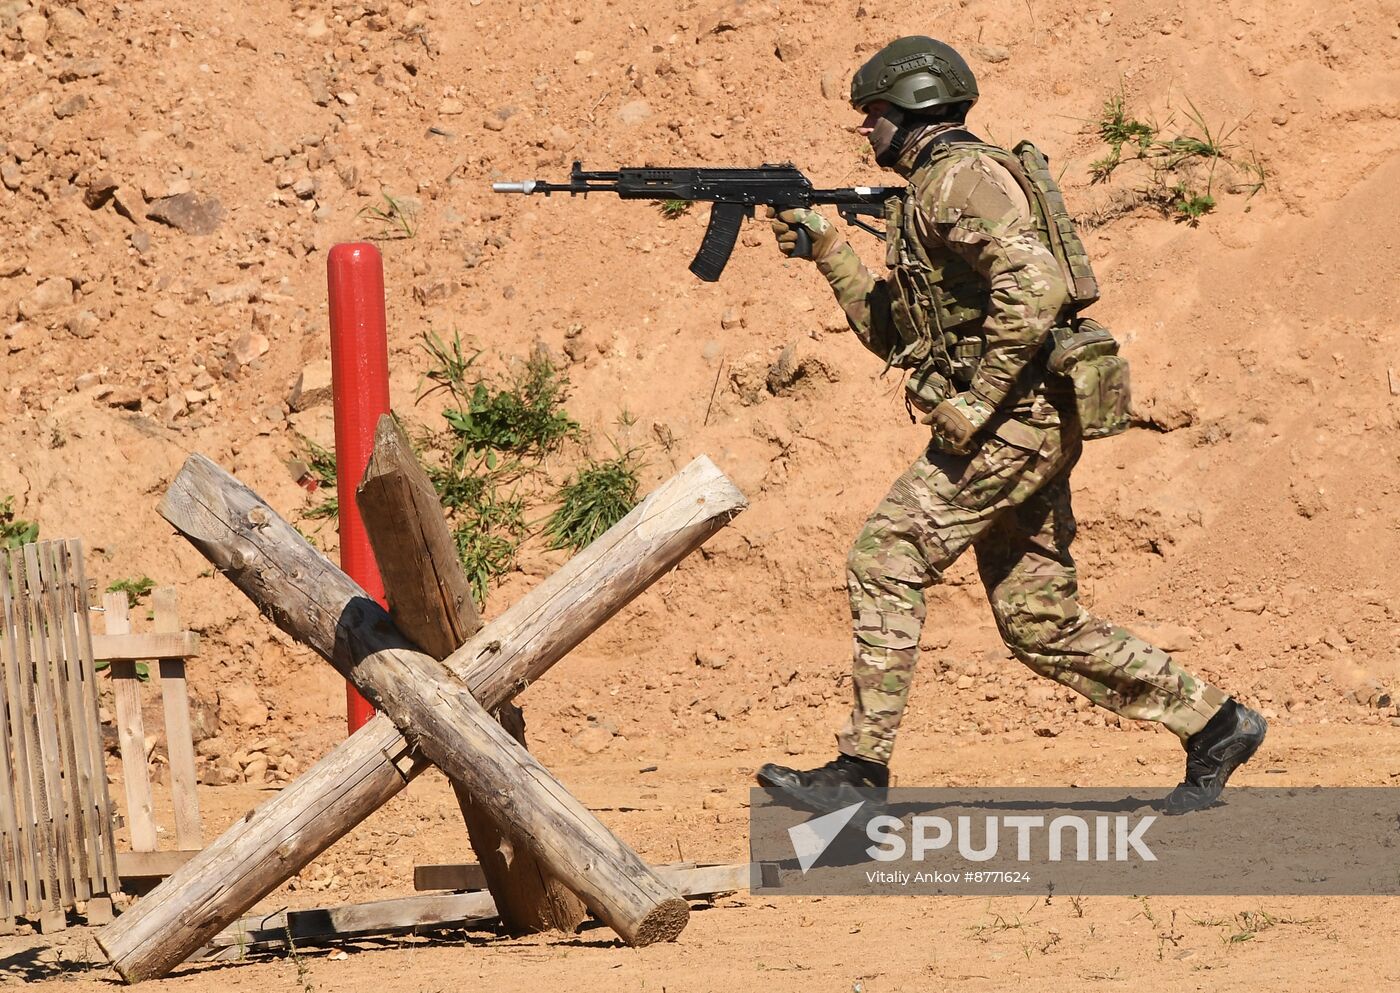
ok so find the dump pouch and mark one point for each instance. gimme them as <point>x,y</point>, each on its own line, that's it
<point>927,387</point>
<point>1085,353</point>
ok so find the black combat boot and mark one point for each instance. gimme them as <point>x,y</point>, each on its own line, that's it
<point>1212,753</point>
<point>831,787</point>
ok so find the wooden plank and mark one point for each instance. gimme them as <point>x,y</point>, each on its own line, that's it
<point>98,756</point>
<point>146,645</point>
<point>431,602</point>
<point>65,802</point>
<point>452,876</point>
<point>79,728</point>
<point>376,917</point>
<point>149,865</point>
<point>260,852</point>
<point>179,740</point>
<point>131,732</point>
<point>52,808</point>
<point>25,747</point>
<point>63,652</point>
<point>462,876</point>
<point>100,910</point>
<point>12,854</point>
<point>438,910</point>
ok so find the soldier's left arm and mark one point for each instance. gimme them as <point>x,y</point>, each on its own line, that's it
<point>978,220</point>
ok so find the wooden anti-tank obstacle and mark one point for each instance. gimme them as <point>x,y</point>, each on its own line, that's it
<point>55,813</point>
<point>441,707</point>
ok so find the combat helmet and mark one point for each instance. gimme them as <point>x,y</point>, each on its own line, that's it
<point>916,73</point>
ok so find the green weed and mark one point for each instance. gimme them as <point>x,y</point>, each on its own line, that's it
<point>486,464</point>
<point>1188,205</point>
<point>600,494</point>
<point>302,967</point>
<point>135,588</point>
<point>1180,161</point>
<point>15,532</point>
<point>451,366</point>
<point>394,218</point>
<point>489,543</point>
<point>1117,129</point>
<point>320,462</point>
<point>488,524</point>
<point>526,417</point>
<point>671,209</point>
<point>1248,925</point>
<point>1256,176</point>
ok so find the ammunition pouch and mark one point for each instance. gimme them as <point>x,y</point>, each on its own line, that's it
<point>1085,353</point>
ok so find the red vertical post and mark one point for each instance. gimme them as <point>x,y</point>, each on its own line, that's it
<point>360,383</point>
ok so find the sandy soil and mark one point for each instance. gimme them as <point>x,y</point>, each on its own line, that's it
<point>1248,524</point>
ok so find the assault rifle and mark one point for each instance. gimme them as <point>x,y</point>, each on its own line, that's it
<point>734,192</point>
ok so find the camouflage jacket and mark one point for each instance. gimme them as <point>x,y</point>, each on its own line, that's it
<point>966,204</point>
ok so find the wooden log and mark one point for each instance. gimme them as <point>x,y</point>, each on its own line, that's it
<point>261,851</point>
<point>431,603</point>
<point>429,594</point>
<point>131,732</point>
<point>274,565</point>
<point>179,739</point>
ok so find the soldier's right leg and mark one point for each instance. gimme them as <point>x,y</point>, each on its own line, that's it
<point>1031,581</point>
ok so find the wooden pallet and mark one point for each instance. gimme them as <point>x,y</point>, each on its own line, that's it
<point>56,847</point>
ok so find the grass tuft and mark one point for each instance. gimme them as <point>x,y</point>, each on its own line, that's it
<point>671,209</point>
<point>320,462</point>
<point>15,532</point>
<point>1180,161</point>
<point>394,217</point>
<point>601,493</point>
<point>136,588</point>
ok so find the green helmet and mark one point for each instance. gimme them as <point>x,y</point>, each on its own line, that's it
<point>914,73</point>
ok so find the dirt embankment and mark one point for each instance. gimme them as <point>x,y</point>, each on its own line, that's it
<point>174,174</point>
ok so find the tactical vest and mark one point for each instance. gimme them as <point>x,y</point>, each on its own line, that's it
<point>937,300</point>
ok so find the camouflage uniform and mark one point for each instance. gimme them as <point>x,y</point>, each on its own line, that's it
<point>1010,497</point>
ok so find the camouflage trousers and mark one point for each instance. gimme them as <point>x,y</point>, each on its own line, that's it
<point>1010,501</point>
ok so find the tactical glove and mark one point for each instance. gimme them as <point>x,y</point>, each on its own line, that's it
<point>825,238</point>
<point>956,420</point>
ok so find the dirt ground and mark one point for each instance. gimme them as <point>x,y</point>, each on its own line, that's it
<point>1246,523</point>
